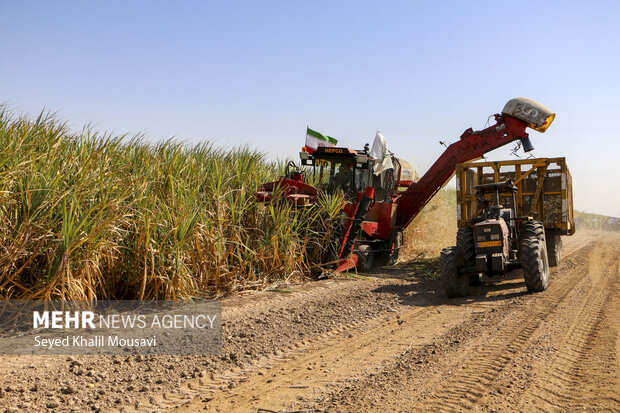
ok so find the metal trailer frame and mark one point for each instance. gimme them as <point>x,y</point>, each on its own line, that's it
<point>544,190</point>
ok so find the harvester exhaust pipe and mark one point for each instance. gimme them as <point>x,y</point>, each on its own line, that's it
<point>527,144</point>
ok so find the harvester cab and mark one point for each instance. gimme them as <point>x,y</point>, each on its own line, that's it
<point>369,213</point>
<point>350,171</point>
<point>337,169</point>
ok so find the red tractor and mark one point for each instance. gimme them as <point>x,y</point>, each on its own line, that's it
<point>377,209</point>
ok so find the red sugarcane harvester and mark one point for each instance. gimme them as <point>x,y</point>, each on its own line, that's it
<point>381,202</point>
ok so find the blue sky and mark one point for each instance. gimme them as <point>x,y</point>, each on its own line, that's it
<point>259,72</point>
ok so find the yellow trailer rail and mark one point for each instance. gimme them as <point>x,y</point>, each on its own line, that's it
<point>544,190</point>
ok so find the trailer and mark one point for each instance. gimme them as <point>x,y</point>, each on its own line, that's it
<point>543,192</point>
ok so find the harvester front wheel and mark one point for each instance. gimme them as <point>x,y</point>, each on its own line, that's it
<point>455,284</point>
<point>389,254</point>
<point>534,259</point>
<point>365,258</point>
<point>396,245</point>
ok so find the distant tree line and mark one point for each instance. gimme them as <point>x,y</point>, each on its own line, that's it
<point>583,220</point>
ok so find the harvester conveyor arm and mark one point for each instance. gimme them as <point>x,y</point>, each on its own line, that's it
<point>472,145</point>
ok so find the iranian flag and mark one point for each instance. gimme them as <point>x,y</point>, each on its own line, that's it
<point>315,140</point>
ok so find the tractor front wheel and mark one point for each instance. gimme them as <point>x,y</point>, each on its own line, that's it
<point>455,284</point>
<point>465,242</point>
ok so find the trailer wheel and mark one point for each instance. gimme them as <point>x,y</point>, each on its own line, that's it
<point>534,262</point>
<point>554,249</point>
<point>364,258</point>
<point>465,241</point>
<point>455,284</point>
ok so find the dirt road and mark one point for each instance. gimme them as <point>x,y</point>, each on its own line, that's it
<point>501,349</point>
<point>391,342</point>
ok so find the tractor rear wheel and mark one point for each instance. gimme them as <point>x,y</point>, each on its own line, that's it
<point>554,249</point>
<point>534,259</point>
<point>455,284</point>
<point>364,258</point>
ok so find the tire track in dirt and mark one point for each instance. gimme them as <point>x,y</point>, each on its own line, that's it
<point>302,376</point>
<point>290,376</point>
<point>489,345</point>
<point>206,385</point>
<point>486,361</point>
<point>559,386</point>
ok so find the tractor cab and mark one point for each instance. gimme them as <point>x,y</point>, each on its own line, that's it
<point>494,229</point>
<point>493,209</point>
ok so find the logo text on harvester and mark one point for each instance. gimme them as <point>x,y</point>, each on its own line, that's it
<point>86,319</point>
<point>157,327</point>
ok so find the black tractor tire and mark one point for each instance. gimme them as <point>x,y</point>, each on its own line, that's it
<point>455,284</point>
<point>365,258</point>
<point>465,242</point>
<point>532,228</point>
<point>534,259</point>
<point>554,249</point>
